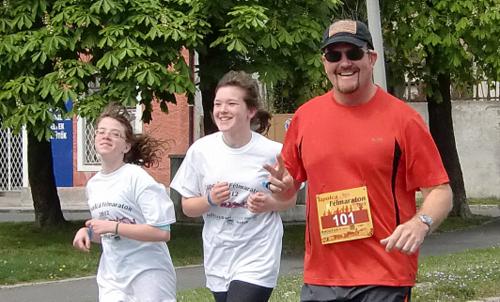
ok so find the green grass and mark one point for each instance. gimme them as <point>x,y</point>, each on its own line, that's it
<point>287,290</point>
<point>456,223</point>
<point>471,274</point>
<point>28,254</point>
<point>488,201</point>
<point>459,277</point>
<point>456,277</point>
<point>186,245</point>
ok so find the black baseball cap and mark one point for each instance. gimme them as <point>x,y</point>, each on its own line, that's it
<point>347,31</point>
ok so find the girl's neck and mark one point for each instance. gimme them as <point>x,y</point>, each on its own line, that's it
<point>111,166</point>
<point>236,140</point>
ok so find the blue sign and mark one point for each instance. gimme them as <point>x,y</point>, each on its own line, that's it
<point>62,149</point>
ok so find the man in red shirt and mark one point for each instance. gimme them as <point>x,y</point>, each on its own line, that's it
<point>364,154</point>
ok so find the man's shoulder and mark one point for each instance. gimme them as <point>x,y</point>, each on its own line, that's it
<point>316,103</point>
<point>396,104</point>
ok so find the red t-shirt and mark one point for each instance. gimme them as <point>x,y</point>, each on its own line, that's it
<point>384,145</point>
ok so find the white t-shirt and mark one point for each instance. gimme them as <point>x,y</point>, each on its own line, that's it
<point>237,244</point>
<point>131,195</point>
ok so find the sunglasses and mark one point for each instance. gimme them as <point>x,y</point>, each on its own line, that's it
<point>353,54</point>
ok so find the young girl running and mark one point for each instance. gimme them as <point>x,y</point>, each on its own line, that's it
<point>131,215</point>
<point>223,179</point>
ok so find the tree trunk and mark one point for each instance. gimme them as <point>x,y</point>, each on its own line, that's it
<point>207,97</point>
<point>441,127</point>
<point>213,64</point>
<point>208,82</point>
<point>42,182</point>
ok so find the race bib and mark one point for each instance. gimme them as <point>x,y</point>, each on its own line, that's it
<point>344,215</point>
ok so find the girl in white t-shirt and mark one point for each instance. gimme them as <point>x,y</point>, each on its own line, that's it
<point>223,179</point>
<point>131,215</point>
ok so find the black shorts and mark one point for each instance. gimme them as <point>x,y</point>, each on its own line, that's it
<point>370,293</point>
<point>240,291</point>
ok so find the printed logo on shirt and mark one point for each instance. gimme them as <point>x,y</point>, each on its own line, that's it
<point>103,204</point>
<point>230,220</point>
<point>235,189</point>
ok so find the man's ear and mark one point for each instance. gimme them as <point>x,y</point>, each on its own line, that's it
<point>373,55</point>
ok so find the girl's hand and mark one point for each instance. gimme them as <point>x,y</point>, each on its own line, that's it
<point>101,227</point>
<point>82,240</point>
<point>260,202</point>
<point>219,193</point>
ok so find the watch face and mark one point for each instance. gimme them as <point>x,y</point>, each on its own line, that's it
<point>426,219</point>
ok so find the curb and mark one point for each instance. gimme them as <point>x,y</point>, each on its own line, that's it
<point>45,282</point>
<point>485,209</point>
<point>18,285</point>
<point>32,210</point>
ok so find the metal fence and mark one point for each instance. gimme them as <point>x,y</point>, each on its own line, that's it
<point>11,161</point>
<point>484,91</point>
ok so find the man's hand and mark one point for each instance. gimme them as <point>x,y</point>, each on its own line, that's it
<point>407,237</point>
<point>280,181</point>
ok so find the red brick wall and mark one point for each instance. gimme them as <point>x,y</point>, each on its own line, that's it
<point>172,127</point>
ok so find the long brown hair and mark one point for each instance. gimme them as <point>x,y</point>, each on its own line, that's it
<point>261,121</point>
<point>144,149</point>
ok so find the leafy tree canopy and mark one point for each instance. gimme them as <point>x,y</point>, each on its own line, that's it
<point>278,39</point>
<point>427,38</point>
<point>129,48</point>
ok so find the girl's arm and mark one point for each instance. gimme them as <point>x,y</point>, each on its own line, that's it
<point>140,232</point>
<point>199,205</point>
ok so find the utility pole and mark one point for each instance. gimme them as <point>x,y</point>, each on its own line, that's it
<point>373,9</point>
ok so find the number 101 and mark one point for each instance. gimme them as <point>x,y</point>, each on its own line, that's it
<point>343,219</point>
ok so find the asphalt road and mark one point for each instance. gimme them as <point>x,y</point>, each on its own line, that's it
<point>85,289</point>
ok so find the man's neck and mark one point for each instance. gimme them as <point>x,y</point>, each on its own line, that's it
<point>356,98</point>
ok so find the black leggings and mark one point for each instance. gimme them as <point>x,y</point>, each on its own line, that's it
<point>240,291</point>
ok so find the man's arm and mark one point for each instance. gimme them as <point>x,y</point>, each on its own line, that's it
<point>408,237</point>
<point>437,204</point>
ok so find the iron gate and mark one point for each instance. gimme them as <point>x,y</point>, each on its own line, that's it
<point>11,161</point>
